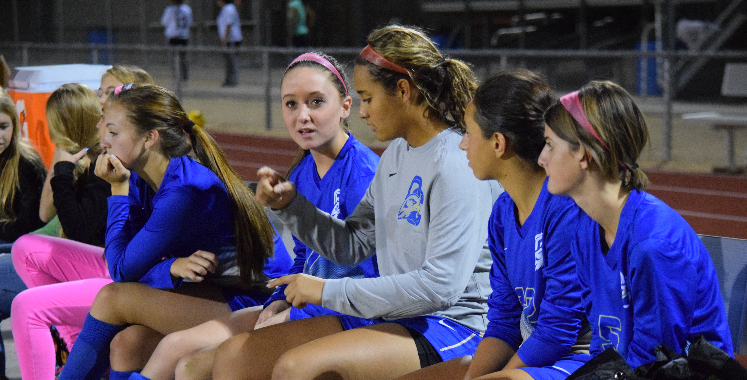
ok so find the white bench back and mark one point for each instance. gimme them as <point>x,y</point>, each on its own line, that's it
<point>735,80</point>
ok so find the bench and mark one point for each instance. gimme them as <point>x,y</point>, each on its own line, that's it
<point>733,84</point>
<point>729,256</point>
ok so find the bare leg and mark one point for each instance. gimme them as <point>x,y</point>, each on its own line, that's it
<point>132,303</point>
<point>131,348</point>
<point>378,352</point>
<point>177,345</point>
<point>454,369</point>
<point>510,374</point>
<point>252,355</point>
<point>198,366</point>
<point>161,312</point>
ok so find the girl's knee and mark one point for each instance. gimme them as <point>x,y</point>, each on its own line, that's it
<point>29,311</point>
<point>111,294</point>
<point>228,357</point>
<point>131,348</point>
<point>193,367</point>
<point>174,346</point>
<point>24,304</point>
<point>125,343</point>
<point>296,364</point>
<point>22,247</point>
<point>229,350</point>
<point>289,366</point>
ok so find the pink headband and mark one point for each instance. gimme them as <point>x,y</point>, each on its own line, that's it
<point>372,56</point>
<point>322,61</point>
<point>572,104</point>
<point>122,87</point>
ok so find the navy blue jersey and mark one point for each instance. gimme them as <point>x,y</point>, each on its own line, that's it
<point>338,193</point>
<point>656,284</point>
<point>535,306</point>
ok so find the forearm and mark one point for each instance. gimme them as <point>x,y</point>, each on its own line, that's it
<point>47,210</point>
<point>345,242</point>
<point>492,355</point>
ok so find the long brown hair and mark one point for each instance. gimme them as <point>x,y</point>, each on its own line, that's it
<point>155,108</point>
<point>446,85</point>
<point>72,113</point>
<point>10,158</point>
<point>618,122</point>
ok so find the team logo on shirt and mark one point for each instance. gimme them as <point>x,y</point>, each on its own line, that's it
<point>410,209</point>
<point>609,330</point>
<point>624,291</point>
<point>336,209</point>
<point>526,298</point>
<point>539,257</point>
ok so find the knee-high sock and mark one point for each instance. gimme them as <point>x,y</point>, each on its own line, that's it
<point>116,375</point>
<point>90,356</point>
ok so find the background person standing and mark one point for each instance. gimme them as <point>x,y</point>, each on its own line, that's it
<point>298,25</point>
<point>177,19</point>
<point>229,31</point>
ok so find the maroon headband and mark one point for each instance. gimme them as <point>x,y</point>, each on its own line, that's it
<point>322,61</point>
<point>572,104</point>
<point>372,56</point>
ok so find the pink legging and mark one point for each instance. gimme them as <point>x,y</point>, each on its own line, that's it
<point>63,277</point>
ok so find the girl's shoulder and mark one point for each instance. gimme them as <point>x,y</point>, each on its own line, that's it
<point>31,165</point>
<point>362,157</point>
<point>185,172</point>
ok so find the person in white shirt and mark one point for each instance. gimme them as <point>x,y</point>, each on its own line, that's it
<point>177,19</point>
<point>229,31</point>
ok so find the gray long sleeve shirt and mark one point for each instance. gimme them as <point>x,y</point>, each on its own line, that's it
<point>425,215</point>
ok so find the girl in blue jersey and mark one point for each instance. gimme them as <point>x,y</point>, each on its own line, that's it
<point>166,214</point>
<point>333,170</point>
<point>424,216</point>
<point>646,278</point>
<point>537,328</point>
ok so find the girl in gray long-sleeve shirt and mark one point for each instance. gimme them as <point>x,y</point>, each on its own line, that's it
<point>424,215</point>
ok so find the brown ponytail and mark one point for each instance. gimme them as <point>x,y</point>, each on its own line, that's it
<point>446,85</point>
<point>153,107</point>
<point>254,233</point>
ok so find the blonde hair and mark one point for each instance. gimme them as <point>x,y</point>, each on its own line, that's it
<point>446,85</point>
<point>155,108</point>
<point>72,113</point>
<point>129,74</point>
<point>10,158</point>
<point>620,124</point>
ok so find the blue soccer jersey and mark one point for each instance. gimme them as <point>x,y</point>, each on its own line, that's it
<point>338,193</point>
<point>143,241</point>
<point>656,284</point>
<point>535,306</point>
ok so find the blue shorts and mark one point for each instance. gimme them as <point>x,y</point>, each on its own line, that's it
<point>450,339</point>
<point>560,370</point>
<point>238,299</point>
